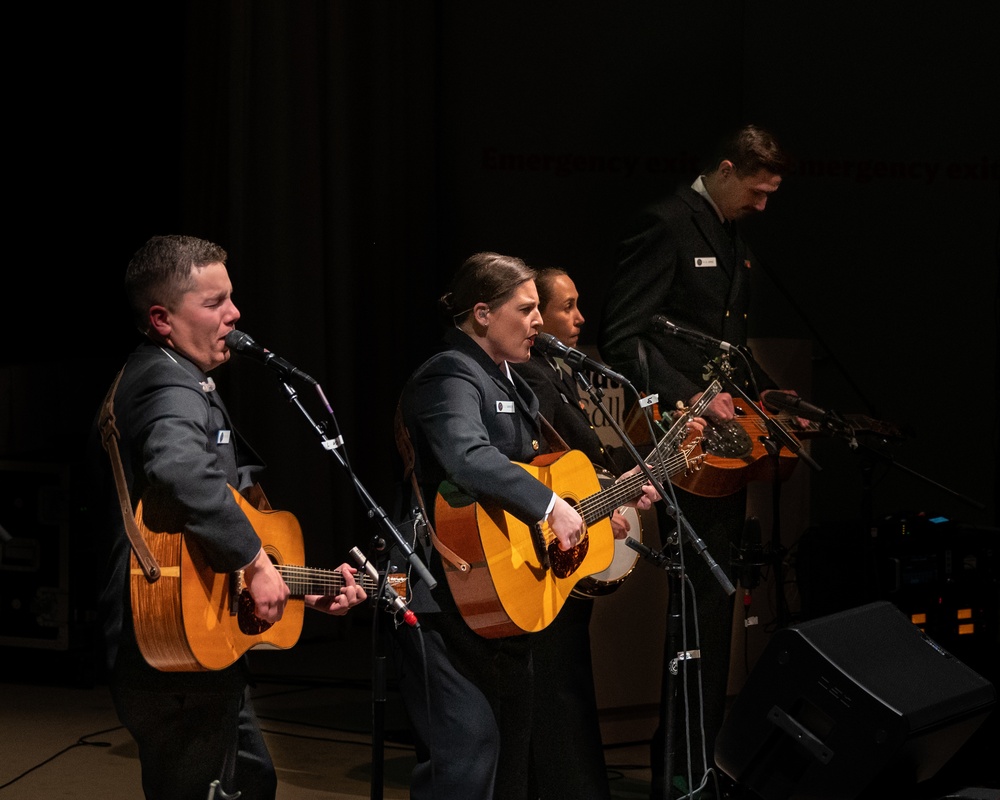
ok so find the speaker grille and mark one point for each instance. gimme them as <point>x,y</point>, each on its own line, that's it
<point>834,703</point>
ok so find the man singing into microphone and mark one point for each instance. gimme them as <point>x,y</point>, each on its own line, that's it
<point>180,455</point>
<point>687,262</point>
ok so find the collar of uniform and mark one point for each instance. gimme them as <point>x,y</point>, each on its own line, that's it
<point>699,187</point>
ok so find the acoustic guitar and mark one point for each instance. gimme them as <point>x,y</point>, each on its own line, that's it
<point>193,619</point>
<point>518,578</point>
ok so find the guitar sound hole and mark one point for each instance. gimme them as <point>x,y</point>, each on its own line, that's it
<point>565,562</point>
<point>250,624</point>
<point>726,440</point>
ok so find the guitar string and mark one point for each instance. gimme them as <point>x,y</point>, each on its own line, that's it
<point>599,505</point>
<point>602,504</point>
<point>314,578</point>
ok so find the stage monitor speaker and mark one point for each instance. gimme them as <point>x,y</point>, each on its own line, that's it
<point>847,702</point>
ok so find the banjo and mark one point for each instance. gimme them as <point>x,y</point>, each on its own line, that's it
<point>676,460</point>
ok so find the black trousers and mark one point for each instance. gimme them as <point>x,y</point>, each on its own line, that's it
<point>567,752</point>
<point>188,740</point>
<point>469,701</point>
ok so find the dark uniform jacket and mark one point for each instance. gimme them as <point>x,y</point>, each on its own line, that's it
<point>468,422</point>
<point>180,455</point>
<point>683,264</point>
<point>559,402</point>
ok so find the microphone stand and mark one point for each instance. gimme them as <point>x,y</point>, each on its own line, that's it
<point>375,512</point>
<point>673,565</point>
<point>678,656</point>
<point>696,542</point>
<point>773,442</point>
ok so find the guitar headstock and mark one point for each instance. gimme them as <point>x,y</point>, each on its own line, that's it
<point>862,424</point>
<point>851,423</point>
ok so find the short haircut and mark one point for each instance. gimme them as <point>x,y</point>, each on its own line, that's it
<point>160,272</point>
<point>750,149</point>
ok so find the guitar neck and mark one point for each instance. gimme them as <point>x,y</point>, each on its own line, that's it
<point>603,503</point>
<point>854,423</point>
<point>664,464</point>
<point>310,580</point>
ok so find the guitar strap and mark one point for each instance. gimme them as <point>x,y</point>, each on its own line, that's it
<point>405,447</point>
<point>556,442</point>
<point>110,438</point>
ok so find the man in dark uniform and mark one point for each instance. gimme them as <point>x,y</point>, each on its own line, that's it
<point>687,262</point>
<point>181,456</point>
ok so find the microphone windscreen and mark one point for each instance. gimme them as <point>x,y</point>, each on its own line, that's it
<point>237,340</point>
<point>549,344</point>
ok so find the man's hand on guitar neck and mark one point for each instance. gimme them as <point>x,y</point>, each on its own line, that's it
<point>800,422</point>
<point>266,587</point>
<point>350,595</point>
<point>619,524</point>
<point>721,409</point>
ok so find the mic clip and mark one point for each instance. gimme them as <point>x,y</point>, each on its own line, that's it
<point>718,367</point>
<point>388,597</point>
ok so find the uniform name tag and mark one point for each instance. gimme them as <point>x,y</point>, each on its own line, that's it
<point>505,406</point>
<point>708,261</point>
<point>223,437</point>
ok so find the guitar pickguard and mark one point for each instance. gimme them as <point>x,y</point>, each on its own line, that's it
<point>726,440</point>
<point>565,562</point>
<point>250,624</point>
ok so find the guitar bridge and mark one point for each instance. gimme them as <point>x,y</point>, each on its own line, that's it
<point>236,587</point>
<point>541,550</point>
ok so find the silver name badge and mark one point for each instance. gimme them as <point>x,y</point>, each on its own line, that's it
<point>505,406</point>
<point>705,262</point>
<point>223,437</point>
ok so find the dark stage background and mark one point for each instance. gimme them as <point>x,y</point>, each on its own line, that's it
<point>350,155</point>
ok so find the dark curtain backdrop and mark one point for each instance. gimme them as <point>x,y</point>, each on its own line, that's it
<point>350,155</point>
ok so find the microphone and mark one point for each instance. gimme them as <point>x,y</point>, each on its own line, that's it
<point>664,325</point>
<point>577,359</point>
<point>783,401</point>
<point>390,595</point>
<point>245,346</point>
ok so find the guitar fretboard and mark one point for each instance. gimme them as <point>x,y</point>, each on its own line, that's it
<point>311,580</point>
<point>603,503</point>
<point>854,423</point>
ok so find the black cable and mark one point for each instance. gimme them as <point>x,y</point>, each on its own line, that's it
<point>313,738</point>
<point>81,742</point>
